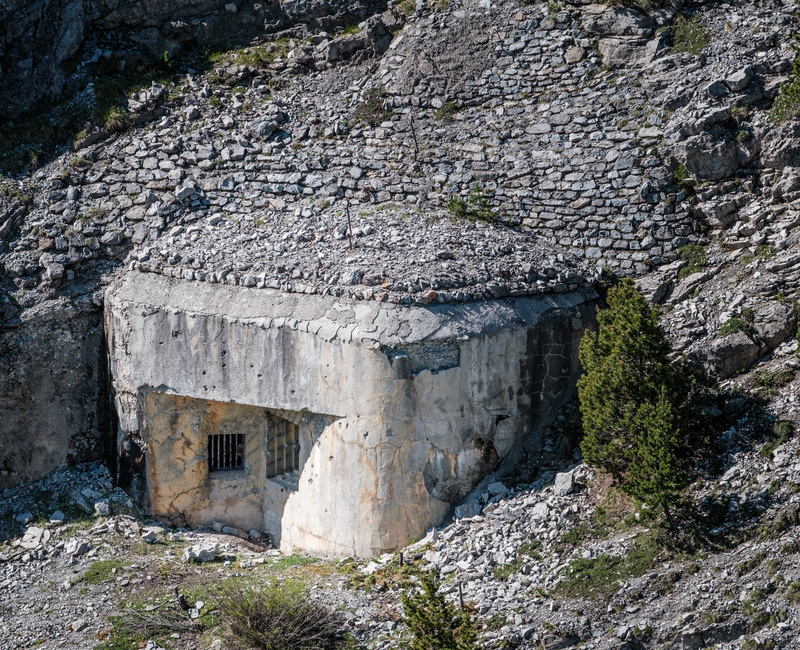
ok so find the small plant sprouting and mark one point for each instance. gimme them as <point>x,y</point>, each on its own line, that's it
<point>689,35</point>
<point>765,251</point>
<point>733,325</point>
<point>681,178</point>
<point>446,111</point>
<point>695,257</point>
<point>371,110</point>
<point>474,208</point>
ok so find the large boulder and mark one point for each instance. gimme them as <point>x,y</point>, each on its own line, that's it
<point>607,20</point>
<point>709,159</point>
<point>631,51</point>
<point>780,145</point>
<point>731,354</point>
<point>775,323</point>
<point>788,186</point>
<point>378,35</point>
<point>625,35</point>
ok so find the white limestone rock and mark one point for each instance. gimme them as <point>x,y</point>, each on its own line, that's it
<point>564,484</point>
<point>206,552</point>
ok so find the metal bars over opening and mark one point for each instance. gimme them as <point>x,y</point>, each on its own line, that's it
<point>225,452</point>
<point>283,447</point>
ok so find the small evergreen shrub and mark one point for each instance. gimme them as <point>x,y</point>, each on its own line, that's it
<point>682,179</point>
<point>435,623</point>
<point>474,208</point>
<point>734,325</point>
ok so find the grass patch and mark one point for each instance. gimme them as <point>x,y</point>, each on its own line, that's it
<point>780,432</point>
<point>765,251</point>
<point>391,575</point>
<point>103,571</point>
<point>30,139</point>
<point>79,162</point>
<point>600,576</point>
<point>752,644</point>
<point>695,258</point>
<point>290,561</point>
<point>256,56</point>
<point>614,512</point>
<point>407,7</point>
<point>12,192</point>
<point>778,527</point>
<point>760,618</point>
<point>155,620</point>
<point>446,111</point>
<point>528,551</point>
<point>768,382</point>
<point>689,34</point>
<point>787,103</point>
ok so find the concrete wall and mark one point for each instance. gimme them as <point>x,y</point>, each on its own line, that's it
<point>52,390</point>
<point>421,403</point>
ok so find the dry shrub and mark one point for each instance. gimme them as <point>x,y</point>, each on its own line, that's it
<point>275,615</point>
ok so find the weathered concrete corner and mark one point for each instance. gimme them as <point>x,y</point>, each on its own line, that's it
<point>387,416</point>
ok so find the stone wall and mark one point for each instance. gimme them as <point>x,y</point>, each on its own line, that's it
<point>422,403</point>
<point>52,394</point>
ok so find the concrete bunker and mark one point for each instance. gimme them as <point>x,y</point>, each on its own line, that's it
<point>208,460</point>
<point>380,417</point>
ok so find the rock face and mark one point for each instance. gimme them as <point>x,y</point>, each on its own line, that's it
<point>52,390</point>
<point>399,411</point>
<point>37,39</point>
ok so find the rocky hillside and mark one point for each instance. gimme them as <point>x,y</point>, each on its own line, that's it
<point>551,557</point>
<point>413,153</point>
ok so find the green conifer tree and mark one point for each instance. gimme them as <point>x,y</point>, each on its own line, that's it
<point>657,474</point>
<point>628,379</point>
<point>435,623</point>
